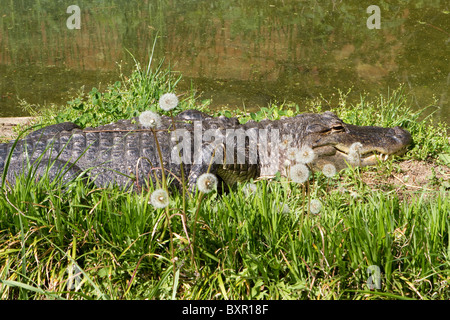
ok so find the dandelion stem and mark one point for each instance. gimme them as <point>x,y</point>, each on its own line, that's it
<point>183,190</point>
<point>195,228</point>
<point>183,179</point>
<point>302,217</point>
<point>164,186</point>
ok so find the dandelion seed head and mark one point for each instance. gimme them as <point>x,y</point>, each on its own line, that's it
<point>354,153</point>
<point>159,198</point>
<point>149,119</point>
<point>286,163</point>
<point>207,182</point>
<point>291,153</point>
<point>299,173</point>
<point>168,101</point>
<point>285,209</point>
<point>354,194</point>
<point>357,146</point>
<point>315,206</point>
<point>329,170</point>
<point>285,141</point>
<point>249,189</point>
<point>342,190</point>
<point>305,155</point>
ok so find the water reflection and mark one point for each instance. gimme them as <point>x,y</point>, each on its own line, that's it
<point>236,52</point>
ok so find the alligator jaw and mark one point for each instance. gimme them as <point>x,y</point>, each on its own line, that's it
<point>367,157</point>
<point>340,156</point>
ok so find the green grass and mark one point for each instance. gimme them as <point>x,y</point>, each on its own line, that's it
<point>266,245</point>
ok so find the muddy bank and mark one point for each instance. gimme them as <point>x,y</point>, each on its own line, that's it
<point>7,125</point>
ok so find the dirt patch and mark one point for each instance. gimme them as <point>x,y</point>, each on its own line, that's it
<point>7,125</point>
<point>410,177</point>
<point>420,174</point>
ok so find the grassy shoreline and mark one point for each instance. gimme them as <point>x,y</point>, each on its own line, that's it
<point>90,243</point>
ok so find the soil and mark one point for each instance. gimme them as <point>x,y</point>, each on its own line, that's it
<point>7,125</point>
<point>409,177</point>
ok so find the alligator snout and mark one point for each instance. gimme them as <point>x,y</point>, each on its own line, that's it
<point>402,136</point>
<point>401,139</point>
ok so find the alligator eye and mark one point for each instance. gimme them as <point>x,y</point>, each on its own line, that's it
<point>337,127</point>
<point>316,128</point>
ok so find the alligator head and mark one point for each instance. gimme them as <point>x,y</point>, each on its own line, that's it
<point>342,144</point>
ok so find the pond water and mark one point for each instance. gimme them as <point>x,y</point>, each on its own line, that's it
<point>236,52</point>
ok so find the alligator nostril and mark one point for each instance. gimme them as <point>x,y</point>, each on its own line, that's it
<point>400,135</point>
<point>398,130</point>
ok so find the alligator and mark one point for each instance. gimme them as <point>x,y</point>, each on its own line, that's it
<point>127,153</point>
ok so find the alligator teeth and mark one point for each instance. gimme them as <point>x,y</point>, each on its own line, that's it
<point>382,156</point>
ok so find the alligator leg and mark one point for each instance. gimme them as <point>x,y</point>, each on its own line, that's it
<point>38,155</point>
<point>55,170</point>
